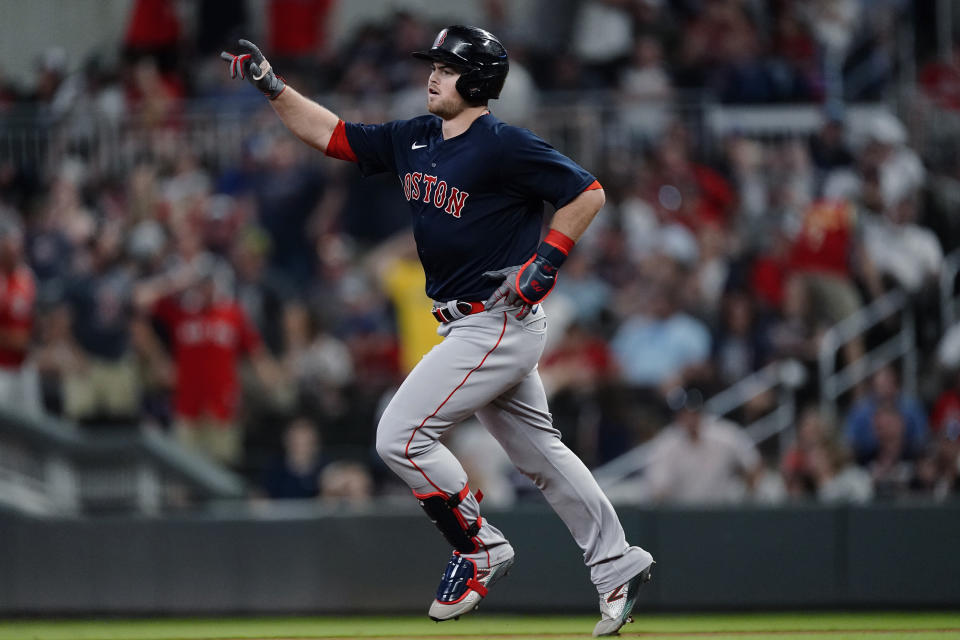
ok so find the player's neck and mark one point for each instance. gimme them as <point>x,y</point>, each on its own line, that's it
<point>462,121</point>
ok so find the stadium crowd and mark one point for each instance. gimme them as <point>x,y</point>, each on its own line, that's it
<point>262,306</point>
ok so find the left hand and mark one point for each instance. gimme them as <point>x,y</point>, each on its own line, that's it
<point>506,292</point>
<point>513,281</point>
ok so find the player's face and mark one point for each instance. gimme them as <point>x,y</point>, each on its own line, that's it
<point>442,97</point>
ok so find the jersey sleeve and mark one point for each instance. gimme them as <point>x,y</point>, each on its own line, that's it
<point>373,146</point>
<point>535,169</point>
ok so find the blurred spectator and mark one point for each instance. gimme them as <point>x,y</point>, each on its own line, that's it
<point>710,271</point>
<point>891,465</point>
<point>587,295</point>
<point>747,161</point>
<point>154,27</point>
<point>154,98</point>
<point>298,28</point>
<point>795,464</point>
<point>646,78</point>
<point>818,465</point>
<point>287,192</point>
<point>820,260</point>
<point>887,170</point>
<point>945,417</point>
<point>700,458</point>
<point>296,473</point>
<point>909,255</point>
<point>833,23</point>
<point>19,382</point>
<point>660,346</point>
<point>208,333</point>
<point>836,478</point>
<point>741,344</point>
<point>105,384</point>
<point>603,36</point>
<point>860,425</point>
<point>262,293</point>
<point>940,79</point>
<point>820,290</point>
<point>56,355</point>
<point>346,482</point>
<point>938,468</point>
<point>684,191</point>
<point>319,363</point>
<point>397,270</point>
<point>828,147</point>
<point>579,362</point>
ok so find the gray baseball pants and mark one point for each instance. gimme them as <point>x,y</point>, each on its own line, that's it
<point>487,366</point>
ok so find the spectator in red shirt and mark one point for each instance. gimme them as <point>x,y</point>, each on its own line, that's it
<point>820,290</point>
<point>940,80</point>
<point>19,383</point>
<point>209,333</point>
<point>946,410</point>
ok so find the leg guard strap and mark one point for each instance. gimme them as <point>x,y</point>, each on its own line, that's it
<point>443,511</point>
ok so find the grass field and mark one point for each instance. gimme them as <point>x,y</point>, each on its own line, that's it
<point>792,626</point>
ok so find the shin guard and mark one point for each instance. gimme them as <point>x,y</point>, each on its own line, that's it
<point>444,512</point>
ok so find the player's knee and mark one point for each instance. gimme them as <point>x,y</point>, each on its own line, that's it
<point>390,442</point>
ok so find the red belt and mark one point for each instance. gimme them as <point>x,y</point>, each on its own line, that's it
<point>456,309</point>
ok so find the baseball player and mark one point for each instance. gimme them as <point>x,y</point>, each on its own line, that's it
<point>476,188</point>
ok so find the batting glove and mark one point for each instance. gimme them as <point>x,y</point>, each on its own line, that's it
<point>507,291</point>
<point>255,68</point>
<point>530,283</point>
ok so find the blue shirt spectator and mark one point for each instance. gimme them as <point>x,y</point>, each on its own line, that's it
<point>657,347</point>
<point>885,389</point>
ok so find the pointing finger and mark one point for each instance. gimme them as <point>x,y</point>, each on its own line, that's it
<point>253,49</point>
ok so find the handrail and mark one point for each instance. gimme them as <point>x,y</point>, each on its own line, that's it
<point>786,374</point>
<point>834,383</point>
<point>948,279</point>
<point>582,123</point>
<point>58,454</point>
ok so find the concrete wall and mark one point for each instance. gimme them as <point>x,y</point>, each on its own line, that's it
<point>717,559</point>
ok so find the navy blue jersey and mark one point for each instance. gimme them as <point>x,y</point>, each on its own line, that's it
<point>476,199</point>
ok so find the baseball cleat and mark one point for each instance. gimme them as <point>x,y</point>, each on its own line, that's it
<point>463,586</point>
<point>616,605</point>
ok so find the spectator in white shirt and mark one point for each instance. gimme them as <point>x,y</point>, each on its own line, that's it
<point>700,458</point>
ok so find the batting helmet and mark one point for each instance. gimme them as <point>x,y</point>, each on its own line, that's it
<point>478,53</point>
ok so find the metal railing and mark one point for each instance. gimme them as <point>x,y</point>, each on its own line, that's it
<point>590,126</point>
<point>50,467</point>
<point>783,376</point>
<point>786,376</point>
<point>835,382</point>
<point>949,299</point>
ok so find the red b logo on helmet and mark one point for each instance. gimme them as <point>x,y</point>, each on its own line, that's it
<point>440,38</point>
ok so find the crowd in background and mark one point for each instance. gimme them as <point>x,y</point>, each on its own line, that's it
<point>262,309</point>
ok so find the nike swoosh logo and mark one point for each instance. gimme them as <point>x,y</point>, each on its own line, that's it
<point>616,594</point>
<point>417,146</point>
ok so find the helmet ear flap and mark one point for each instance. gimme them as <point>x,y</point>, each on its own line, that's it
<point>469,85</point>
<point>480,85</point>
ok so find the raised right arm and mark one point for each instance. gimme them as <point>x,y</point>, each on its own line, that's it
<point>309,121</point>
<point>305,118</point>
